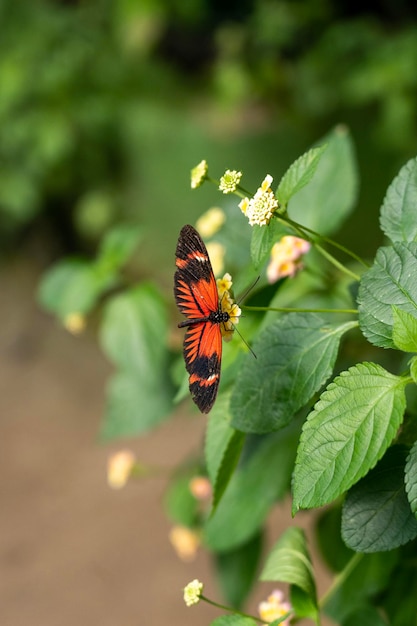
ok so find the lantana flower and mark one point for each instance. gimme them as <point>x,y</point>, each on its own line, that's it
<point>228,305</point>
<point>200,487</point>
<point>229,181</point>
<point>210,222</point>
<point>75,323</point>
<point>274,607</point>
<point>260,209</point>
<point>199,174</point>
<point>192,592</point>
<point>185,542</point>
<point>286,257</point>
<point>119,468</point>
<point>216,253</point>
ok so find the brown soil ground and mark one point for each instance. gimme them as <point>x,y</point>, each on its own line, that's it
<point>72,551</point>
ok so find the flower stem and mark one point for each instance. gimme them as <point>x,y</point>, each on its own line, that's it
<point>335,262</point>
<point>340,579</point>
<point>297,310</point>
<point>227,608</point>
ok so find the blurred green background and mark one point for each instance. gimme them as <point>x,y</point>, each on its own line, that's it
<point>105,106</point>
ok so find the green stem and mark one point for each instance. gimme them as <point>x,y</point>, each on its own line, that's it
<point>335,262</point>
<point>340,579</point>
<point>297,310</point>
<point>227,608</point>
<point>331,242</point>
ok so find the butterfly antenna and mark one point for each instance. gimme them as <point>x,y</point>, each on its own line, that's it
<point>248,290</point>
<point>244,340</point>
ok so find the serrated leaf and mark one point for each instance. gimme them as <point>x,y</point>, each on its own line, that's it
<point>411,478</point>
<point>233,620</point>
<point>289,562</point>
<point>376,514</point>
<point>263,238</point>
<point>236,570</point>
<point>404,330</point>
<point>390,281</point>
<point>256,484</point>
<point>223,446</point>
<point>398,212</point>
<point>299,174</point>
<point>348,431</point>
<point>330,196</point>
<point>295,357</point>
<point>70,286</point>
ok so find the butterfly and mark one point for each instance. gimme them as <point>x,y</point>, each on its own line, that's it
<point>197,297</point>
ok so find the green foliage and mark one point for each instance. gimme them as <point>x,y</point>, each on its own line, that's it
<point>312,409</point>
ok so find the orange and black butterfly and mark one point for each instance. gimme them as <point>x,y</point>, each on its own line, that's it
<point>197,297</point>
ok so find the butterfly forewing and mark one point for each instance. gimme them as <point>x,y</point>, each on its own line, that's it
<point>196,296</point>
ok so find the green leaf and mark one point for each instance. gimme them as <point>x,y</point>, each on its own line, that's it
<point>413,368</point>
<point>263,238</point>
<point>332,549</point>
<point>411,478</point>
<point>398,212</point>
<point>133,335</point>
<point>223,446</point>
<point>236,570</point>
<point>390,281</point>
<point>331,195</point>
<point>70,286</point>
<point>348,431</point>
<point>295,357</point>
<point>404,330</point>
<point>365,614</point>
<point>376,514</point>
<point>257,483</point>
<point>289,562</point>
<point>299,174</point>
<point>118,246</point>
<point>180,505</point>
<point>370,575</point>
<point>233,620</point>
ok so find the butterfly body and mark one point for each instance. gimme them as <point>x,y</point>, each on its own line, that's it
<point>197,298</point>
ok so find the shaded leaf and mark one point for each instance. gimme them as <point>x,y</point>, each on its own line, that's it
<point>348,431</point>
<point>390,281</point>
<point>295,357</point>
<point>299,174</point>
<point>330,196</point>
<point>398,212</point>
<point>411,478</point>
<point>118,246</point>
<point>376,513</point>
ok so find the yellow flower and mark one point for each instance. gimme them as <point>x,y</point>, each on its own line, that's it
<point>185,542</point>
<point>229,181</point>
<point>216,252</point>
<point>199,174</point>
<point>75,323</point>
<point>224,284</point>
<point>119,468</point>
<point>200,487</point>
<point>210,222</point>
<point>260,209</point>
<point>285,257</point>
<point>192,592</point>
<point>274,607</point>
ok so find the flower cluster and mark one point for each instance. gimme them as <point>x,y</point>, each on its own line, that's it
<point>119,468</point>
<point>260,209</point>
<point>230,181</point>
<point>185,542</point>
<point>210,222</point>
<point>286,257</point>
<point>228,305</point>
<point>274,607</point>
<point>192,592</point>
<point>199,174</point>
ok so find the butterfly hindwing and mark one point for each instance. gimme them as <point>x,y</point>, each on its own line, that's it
<point>196,296</point>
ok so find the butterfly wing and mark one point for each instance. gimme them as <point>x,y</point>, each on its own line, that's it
<point>196,296</point>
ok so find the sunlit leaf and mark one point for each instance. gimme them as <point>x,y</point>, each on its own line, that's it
<point>398,212</point>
